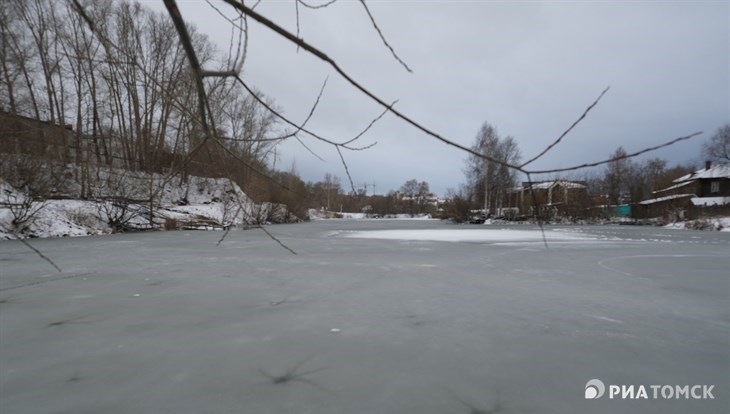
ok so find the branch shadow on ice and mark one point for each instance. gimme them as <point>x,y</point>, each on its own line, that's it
<point>292,375</point>
<point>77,320</point>
<point>496,407</point>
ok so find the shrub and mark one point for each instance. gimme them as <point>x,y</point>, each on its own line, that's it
<point>171,224</point>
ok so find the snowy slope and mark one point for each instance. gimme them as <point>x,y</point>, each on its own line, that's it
<point>198,203</point>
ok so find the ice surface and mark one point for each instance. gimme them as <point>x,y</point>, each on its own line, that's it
<point>424,326</point>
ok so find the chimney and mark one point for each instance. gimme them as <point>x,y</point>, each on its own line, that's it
<point>708,164</point>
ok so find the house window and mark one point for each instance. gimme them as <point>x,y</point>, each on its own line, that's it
<point>715,187</point>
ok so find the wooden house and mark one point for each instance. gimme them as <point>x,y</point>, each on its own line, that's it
<point>705,189</point>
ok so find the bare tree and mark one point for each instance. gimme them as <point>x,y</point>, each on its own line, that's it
<point>717,148</point>
<point>617,177</point>
<point>490,181</point>
<point>332,188</point>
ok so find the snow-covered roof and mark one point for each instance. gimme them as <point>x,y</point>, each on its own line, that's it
<point>675,186</point>
<point>541,186</point>
<point>547,184</point>
<point>715,171</point>
<point>665,198</point>
<point>710,201</point>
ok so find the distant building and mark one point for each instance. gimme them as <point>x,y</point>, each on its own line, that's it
<point>554,198</point>
<point>43,139</point>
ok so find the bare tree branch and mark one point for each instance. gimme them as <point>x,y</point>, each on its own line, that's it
<point>187,44</point>
<point>322,56</point>
<point>320,6</point>
<point>632,155</point>
<point>382,37</point>
<point>249,12</point>
<point>288,134</point>
<point>557,141</point>
<point>242,48</point>
<point>218,73</point>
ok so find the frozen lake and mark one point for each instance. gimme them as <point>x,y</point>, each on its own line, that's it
<point>393,316</point>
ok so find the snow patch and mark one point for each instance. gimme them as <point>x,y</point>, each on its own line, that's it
<point>712,223</point>
<point>710,201</point>
<point>467,235</point>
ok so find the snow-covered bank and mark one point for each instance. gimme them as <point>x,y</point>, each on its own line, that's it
<point>198,203</point>
<point>710,223</point>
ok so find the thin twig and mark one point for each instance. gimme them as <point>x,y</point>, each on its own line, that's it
<point>276,240</point>
<point>314,107</point>
<point>220,13</point>
<point>254,169</point>
<point>230,226</point>
<point>296,9</point>
<point>299,127</point>
<point>347,171</point>
<point>382,37</point>
<point>240,58</point>
<point>367,128</point>
<point>295,125</point>
<point>243,213</point>
<point>309,149</point>
<point>243,32</point>
<point>38,252</point>
<point>321,6</point>
<point>536,208</point>
<point>557,141</point>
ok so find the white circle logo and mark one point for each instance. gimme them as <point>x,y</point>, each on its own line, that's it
<point>594,389</point>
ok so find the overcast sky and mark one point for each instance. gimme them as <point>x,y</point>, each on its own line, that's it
<point>529,68</point>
